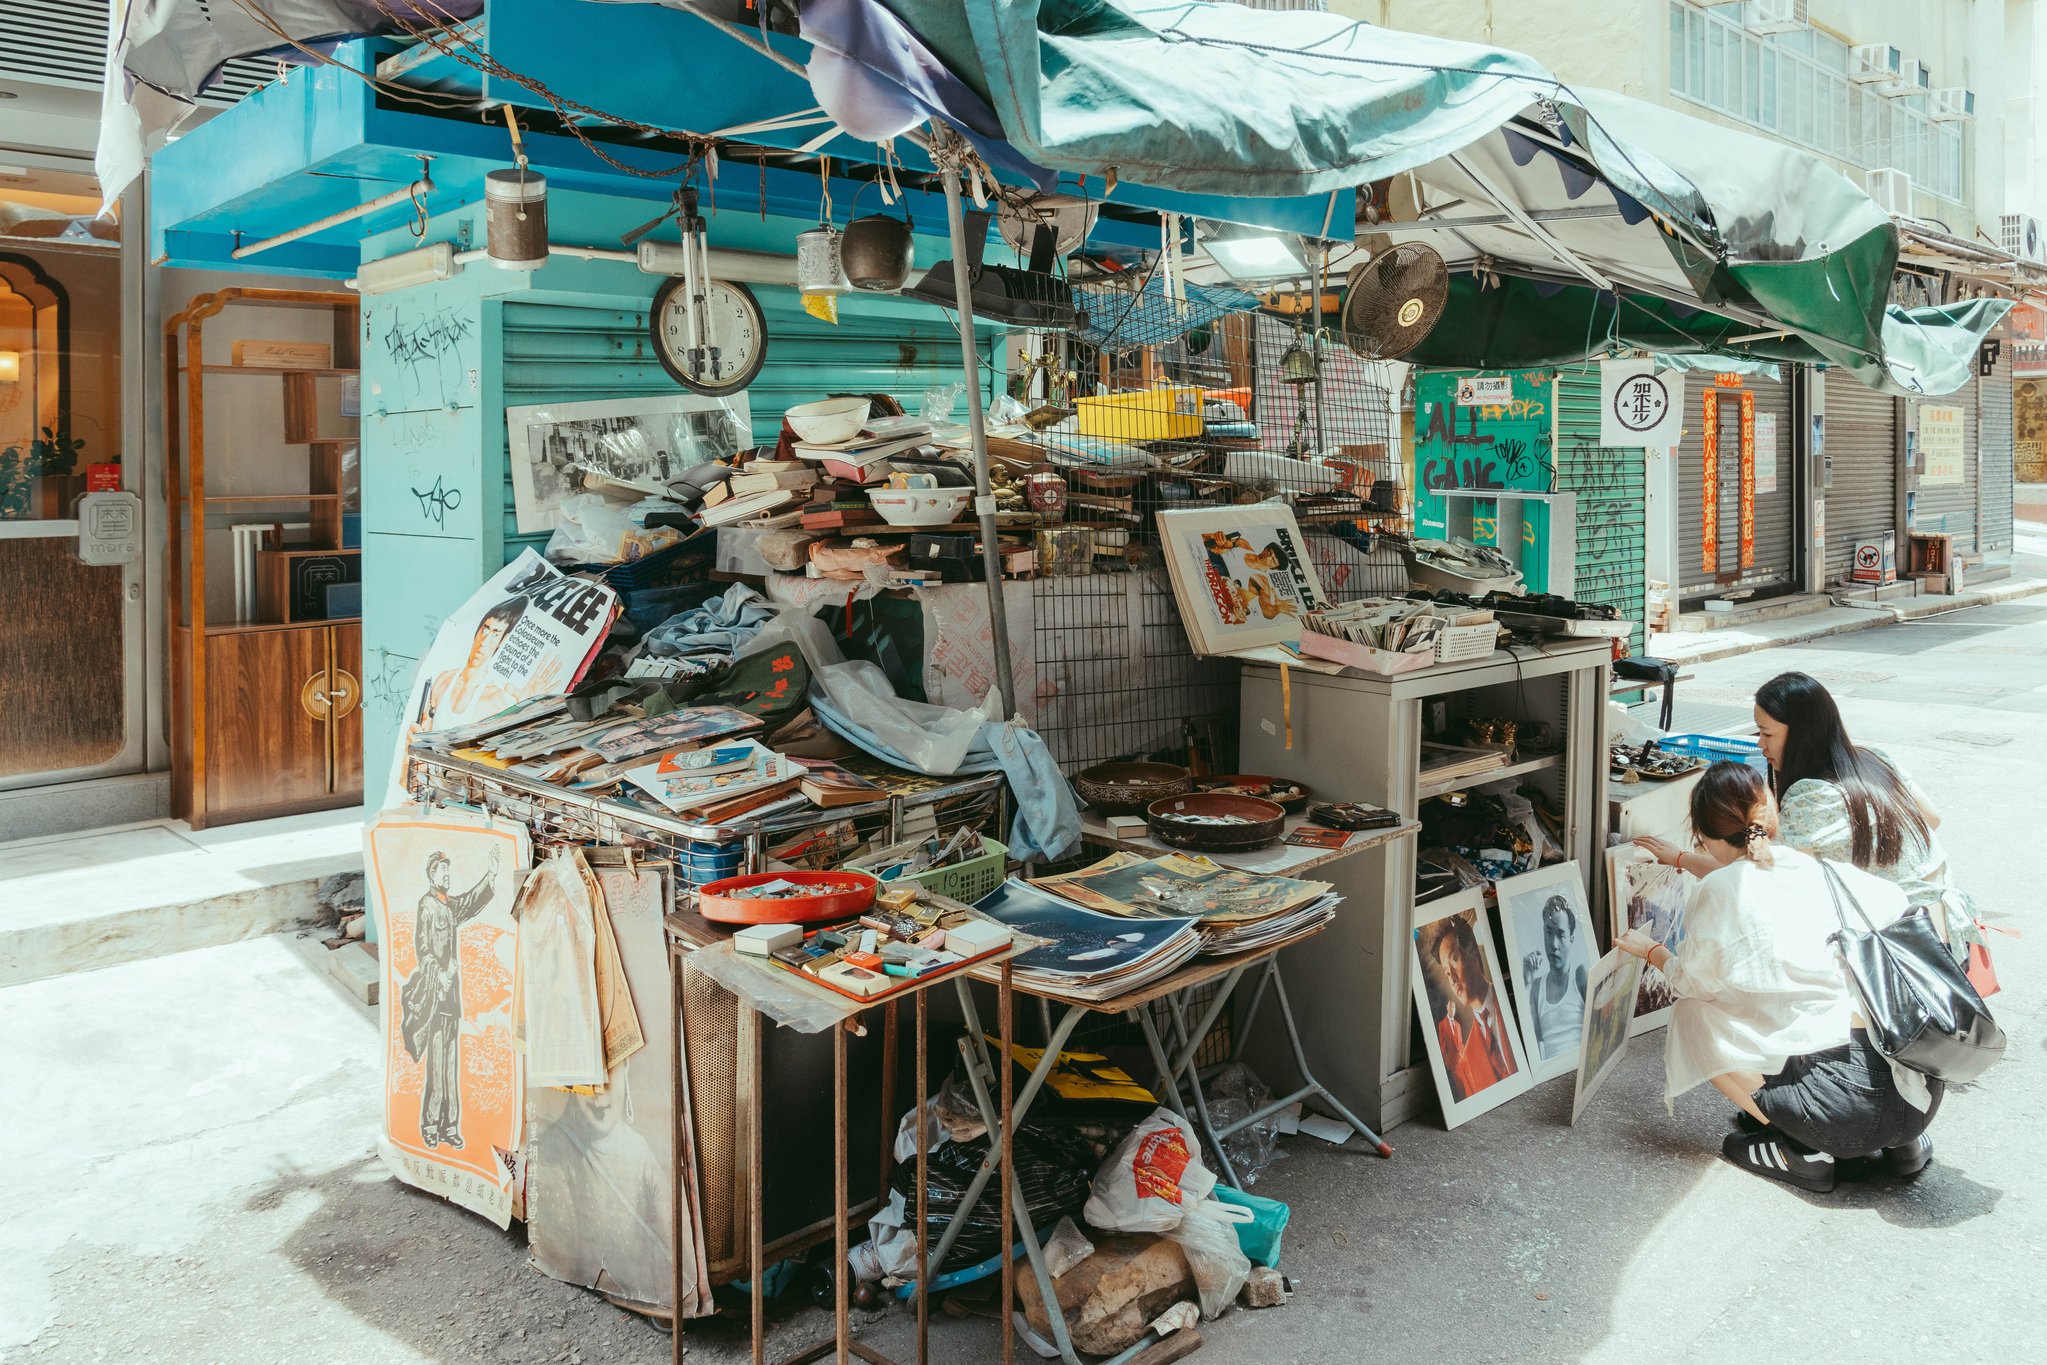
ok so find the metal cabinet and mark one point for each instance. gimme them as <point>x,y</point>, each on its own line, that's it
<point>1355,738</point>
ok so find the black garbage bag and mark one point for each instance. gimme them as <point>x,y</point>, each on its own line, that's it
<point>1055,1168</point>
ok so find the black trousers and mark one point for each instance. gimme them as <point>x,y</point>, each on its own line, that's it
<point>1844,1101</point>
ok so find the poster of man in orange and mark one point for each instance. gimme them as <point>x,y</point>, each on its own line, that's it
<point>443,883</point>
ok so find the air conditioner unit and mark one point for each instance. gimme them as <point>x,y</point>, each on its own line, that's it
<point>1775,16</point>
<point>1914,78</point>
<point>1951,104</point>
<point>1892,191</point>
<point>1709,4</point>
<point>1868,62</point>
<point>2023,237</point>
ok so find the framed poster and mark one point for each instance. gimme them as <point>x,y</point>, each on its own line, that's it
<point>1609,1003</point>
<point>1474,1048</point>
<point>1547,925</point>
<point>1241,575</point>
<point>1644,894</point>
<point>624,443</point>
<point>442,883</point>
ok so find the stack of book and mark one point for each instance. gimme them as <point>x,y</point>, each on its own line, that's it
<point>1234,911</point>
<point>720,783</point>
<point>1088,955</point>
<point>760,488</point>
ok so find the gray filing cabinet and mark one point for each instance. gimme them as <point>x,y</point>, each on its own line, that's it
<point>1358,738</point>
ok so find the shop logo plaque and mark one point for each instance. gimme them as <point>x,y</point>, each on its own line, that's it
<point>110,528</point>
<point>1640,403</point>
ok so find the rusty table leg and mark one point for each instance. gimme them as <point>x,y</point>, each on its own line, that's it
<point>840,1324</point>
<point>924,1267</point>
<point>888,1094</point>
<point>1004,1011</point>
<point>675,1153</point>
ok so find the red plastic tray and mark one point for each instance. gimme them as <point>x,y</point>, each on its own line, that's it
<point>723,900</point>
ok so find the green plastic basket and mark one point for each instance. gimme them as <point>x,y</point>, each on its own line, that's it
<point>970,880</point>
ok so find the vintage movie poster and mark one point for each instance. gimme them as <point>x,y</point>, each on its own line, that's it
<point>442,883</point>
<point>531,630</point>
<point>1242,575</point>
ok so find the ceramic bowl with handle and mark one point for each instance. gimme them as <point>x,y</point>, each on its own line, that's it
<point>920,506</point>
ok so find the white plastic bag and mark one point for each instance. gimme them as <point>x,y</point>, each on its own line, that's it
<point>1151,1178</point>
<point>1219,1264</point>
<point>595,530</point>
<point>1067,1248</point>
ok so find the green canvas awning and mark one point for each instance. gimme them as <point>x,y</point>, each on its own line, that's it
<point>1608,222</point>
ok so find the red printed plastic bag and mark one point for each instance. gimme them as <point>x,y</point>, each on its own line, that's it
<point>1151,1178</point>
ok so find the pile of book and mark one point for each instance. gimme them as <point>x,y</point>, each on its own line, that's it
<point>703,761</point>
<point>1088,955</point>
<point>1233,911</point>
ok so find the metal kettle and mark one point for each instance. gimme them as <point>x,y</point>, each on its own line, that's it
<point>876,252</point>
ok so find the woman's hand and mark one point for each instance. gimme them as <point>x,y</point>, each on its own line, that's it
<point>1662,850</point>
<point>1638,942</point>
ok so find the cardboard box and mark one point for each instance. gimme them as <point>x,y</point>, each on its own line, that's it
<point>284,355</point>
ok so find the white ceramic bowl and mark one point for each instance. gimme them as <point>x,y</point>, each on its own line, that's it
<point>829,420</point>
<point>920,506</point>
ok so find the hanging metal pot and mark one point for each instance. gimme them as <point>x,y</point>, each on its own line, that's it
<point>817,261</point>
<point>876,252</point>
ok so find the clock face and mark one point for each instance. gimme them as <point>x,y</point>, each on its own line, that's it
<point>735,336</point>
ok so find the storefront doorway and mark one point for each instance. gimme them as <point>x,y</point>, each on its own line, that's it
<point>72,647</point>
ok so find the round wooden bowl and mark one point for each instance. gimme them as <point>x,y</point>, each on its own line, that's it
<point>726,900</point>
<point>1283,791</point>
<point>1184,822</point>
<point>1127,788</point>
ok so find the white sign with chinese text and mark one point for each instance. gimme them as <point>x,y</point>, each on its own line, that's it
<point>110,528</point>
<point>1941,445</point>
<point>1639,407</point>
<point>1485,391</point>
<point>1766,452</point>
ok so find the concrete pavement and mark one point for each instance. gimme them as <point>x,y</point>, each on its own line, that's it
<point>187,1174</point>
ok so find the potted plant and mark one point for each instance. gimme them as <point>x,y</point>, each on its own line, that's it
<point>17,472</point>
<point>59,484</point>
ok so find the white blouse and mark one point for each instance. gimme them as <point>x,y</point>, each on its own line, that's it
<point>1756,980</point>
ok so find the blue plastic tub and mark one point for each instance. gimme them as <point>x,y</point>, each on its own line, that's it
<point>1718,748</point>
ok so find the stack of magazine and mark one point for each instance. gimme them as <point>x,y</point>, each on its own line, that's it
<point>1233,911</point>
<point>1088,955</point>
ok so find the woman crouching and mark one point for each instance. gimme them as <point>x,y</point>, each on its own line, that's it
<point>1764,1008</point>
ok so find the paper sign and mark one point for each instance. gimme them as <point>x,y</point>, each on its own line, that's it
<point>1480,391</point>
<point>110,528</point>
<point>1766,452</point>
<point>1639,407</point>
<point>1941,445</point>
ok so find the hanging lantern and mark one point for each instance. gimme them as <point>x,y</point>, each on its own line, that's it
<point>818,269</point>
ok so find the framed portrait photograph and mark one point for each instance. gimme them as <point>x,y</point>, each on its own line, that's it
<point>1474,1047</point>
<point>1241,575</point>
<point>1609,1016</point>
<point>625,447</point>
<point>1547,924</point>
<point>1644,894</point>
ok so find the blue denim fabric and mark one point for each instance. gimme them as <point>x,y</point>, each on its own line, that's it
<point>1047,822</point>
<point>724,623</point>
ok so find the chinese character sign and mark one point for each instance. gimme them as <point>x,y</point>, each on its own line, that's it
<point>1639,407</point>
<point>1941,445</point>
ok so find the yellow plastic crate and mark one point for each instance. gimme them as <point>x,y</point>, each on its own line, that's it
<point>1168,413</point>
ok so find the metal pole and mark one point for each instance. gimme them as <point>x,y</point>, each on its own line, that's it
<point>977,422</point>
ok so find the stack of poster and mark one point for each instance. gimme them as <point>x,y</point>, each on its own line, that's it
<point>1234,911</point>
<point>1088,955</point>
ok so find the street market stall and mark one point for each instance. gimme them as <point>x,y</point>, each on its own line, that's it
<point>761,589</point>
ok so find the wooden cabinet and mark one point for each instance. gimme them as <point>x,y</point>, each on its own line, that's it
<point>283,722</point>
<point>266,714</point>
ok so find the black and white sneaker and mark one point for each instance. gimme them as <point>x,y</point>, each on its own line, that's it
<point>1772,1156</point>
<point>1903,1163</point>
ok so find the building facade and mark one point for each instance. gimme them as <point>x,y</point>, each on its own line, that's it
<point>1926,103</point>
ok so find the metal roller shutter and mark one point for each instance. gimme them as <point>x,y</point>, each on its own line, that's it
<point>1994,458</point>
<point>1950,509</point>
<point>564,353</point>
<point>1774,566</point>
<point>1862,441</point>
<point>1610,564</point>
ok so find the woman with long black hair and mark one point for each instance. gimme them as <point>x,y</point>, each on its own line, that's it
<point>1764,1009</point>
<point>1851,803</point>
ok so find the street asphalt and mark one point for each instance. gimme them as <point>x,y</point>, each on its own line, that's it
<point>187,1176</point>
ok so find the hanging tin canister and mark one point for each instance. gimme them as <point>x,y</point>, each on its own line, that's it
<point>817,261</point>
<point>515,218</point>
